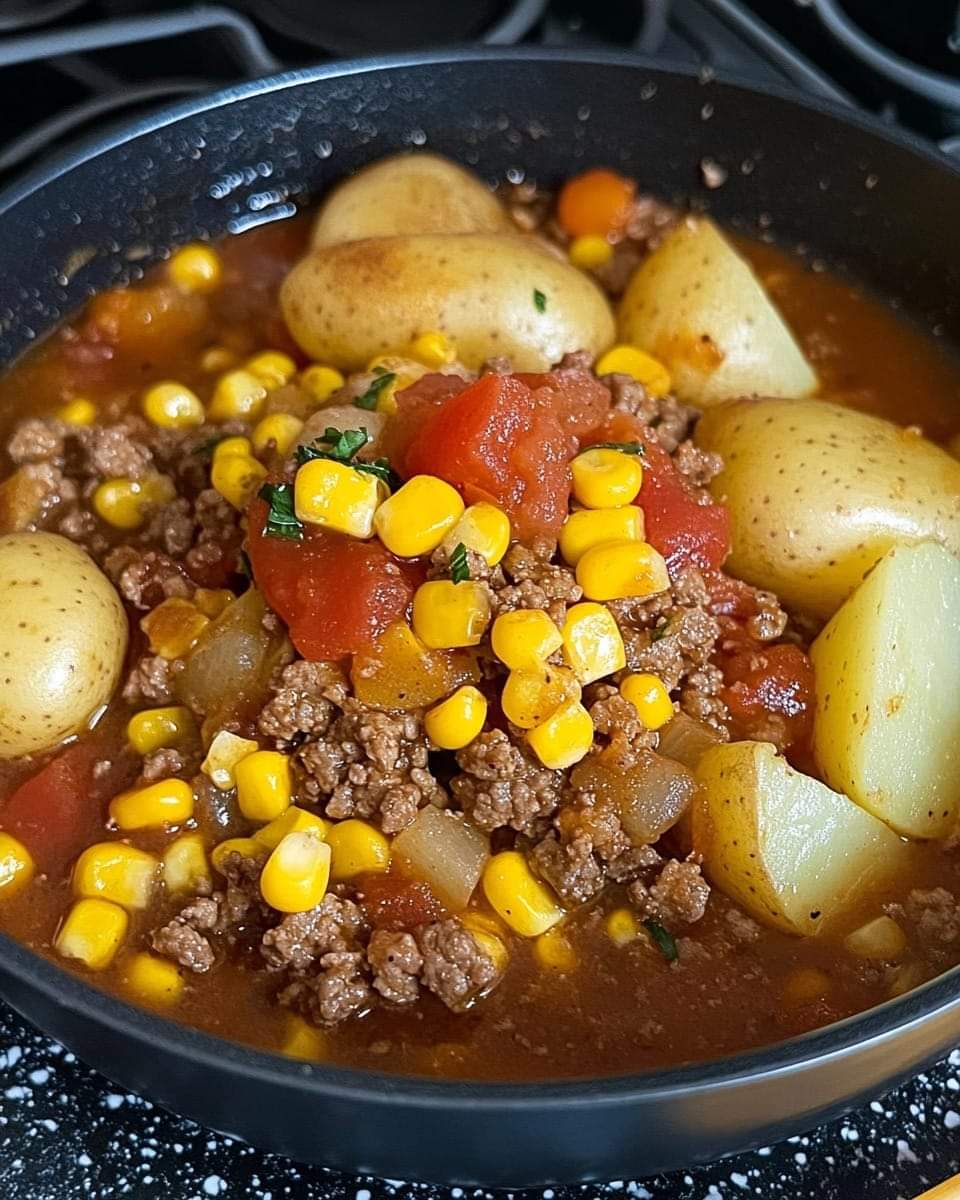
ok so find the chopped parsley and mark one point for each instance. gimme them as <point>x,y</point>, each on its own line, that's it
<point>340,445</point>
<point>282,520</point>
<point>459,567</point>
<point>658,633</point>
<point>623,447</point>
<point>539,300</point>
<point>371,396</point>
<point>206,448</point>
<point>662,939</point>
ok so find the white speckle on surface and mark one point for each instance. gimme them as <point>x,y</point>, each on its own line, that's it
<point>951,1118</point>
<point>213,1185</point>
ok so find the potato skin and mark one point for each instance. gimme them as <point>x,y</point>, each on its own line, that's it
<point>794,853</point>
<point>696,305</point>
<point>346,304</point>
<point>408,194</point>
<point>887,722</point>
<point>63,638</point>
<point>819,493</point>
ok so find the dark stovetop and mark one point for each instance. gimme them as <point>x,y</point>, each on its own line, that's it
<point>65,1132</point>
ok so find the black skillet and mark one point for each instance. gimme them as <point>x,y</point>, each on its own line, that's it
<point>865,200</point>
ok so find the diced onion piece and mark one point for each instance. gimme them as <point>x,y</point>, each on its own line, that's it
<point>444,850</point>
<point>882,938</point>
<point>686,741</point>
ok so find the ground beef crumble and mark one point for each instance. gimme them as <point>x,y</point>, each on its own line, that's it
<point>678,896</point>
<point>503,785</point>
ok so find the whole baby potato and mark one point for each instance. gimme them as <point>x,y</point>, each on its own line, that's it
<point>697,306</point>
<point>490,295</point>
<point>819,493</point>
<point>405,194</point>
<point>63,638</point>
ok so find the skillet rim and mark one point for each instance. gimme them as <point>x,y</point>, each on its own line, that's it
<point>874,1027</point>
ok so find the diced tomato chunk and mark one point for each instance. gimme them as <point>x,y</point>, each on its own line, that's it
<point>397,903</point>
<point>53,812</point>
<point>769,691</point>
<point>498,441</point>
<point>335,593</point>
<point>579,399</point>
<point>686,533</point>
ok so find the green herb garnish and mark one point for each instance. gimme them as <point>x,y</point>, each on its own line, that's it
<point>282,520</point>
<point>339,444</point>
<point>657,634</point>
<point>371,396</point>
<point>623,447</point>
<point>459,567</point>
<point>539,300</point>
<point>662,939</point>
<point>381,468</point>
<point>206,448</point>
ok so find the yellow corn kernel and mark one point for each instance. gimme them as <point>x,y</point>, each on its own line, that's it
<point>282,429</point>
<point>216,359</point>
<point>338,497</point>
<point>592,645</point>
<point>295,876</point>
<point>456,721</point>
<point>553,950</point>
<point>236,477</point>
<point>246,847</point>
<point>226,751</point>
<point>649,697</point>
<point>304,1041</point>
<point>212,601</point>
<point>116,872</point>
<point>805,985</point>
<point>518,897</point>
<point>484,529</point>
<point>153,980</point>
<point>273,368</point>
<point>433,349</point>
<point>489,935</point>
<point>124,503</point>
<point>617,570</point>
<point>356,848</point>
<point>321,382</point>
<point>238,396</point>
<point>195,268</point>
<point>233,446</point>
<point>172,406</point>
<point>294,820</point>
<point>525,639</point>
<point>606,478</point>
<point>77,412</point>
<point>167,802</point>
<point>172,628</point>
<point>447,614</point>
<point>92,932</point>
<point>414,520</point>
<point>530,697</point>
<point>589,251</point>
<point>184,865</point>
<point>563,738</point>
<point>643,367</point>
<point>264,787</point>
<point>589,527</point>
<point>16,866</point>
<point>157,728</point>
<point>622,927</point>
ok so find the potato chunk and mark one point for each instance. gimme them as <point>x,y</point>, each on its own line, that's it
<point>63,637</point>
<point>409,193</point>
<point>819,493</point>
<point>696,305</point>
<point>887,722</point>
<point>345,304</point>
<point>794,853</point>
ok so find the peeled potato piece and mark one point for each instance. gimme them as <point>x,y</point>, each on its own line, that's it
<point>819,493</point>
<point>409,193</point>
<point>794,853</point>
<point>490,295</point>
<point>887,721</point>
<point>63,637</point>
<point>697,306</point>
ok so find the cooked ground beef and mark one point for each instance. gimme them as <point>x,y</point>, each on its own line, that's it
<point>533,580</point>
<point>162,764</point>
<point>454,967</point>
<point>396,962</point>
<point>936,914</point>
<point>114,451</point>
<point>371,763</point>
<point>616,718</point>
<point>670,420</point>
<point>338,990</point>
<point>37,440</point>
<point>305,697</point>
<point>183,939</point>
<point>677,897</point>
<point>152,681</point>
<point>146,578</point>
<point>300,939</point>
<point>503,785</point>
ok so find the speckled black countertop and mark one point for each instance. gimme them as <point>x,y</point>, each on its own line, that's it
<point>66,1132</point>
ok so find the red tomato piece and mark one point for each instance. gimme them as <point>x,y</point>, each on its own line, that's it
<point>769,692</point>
<point>336,594</point>
<point>52,813</point>
<point>498,441</point>
<point>397,903</point>
<point>579,399</point>
<point>730,597</point>
<point>686,533</point>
